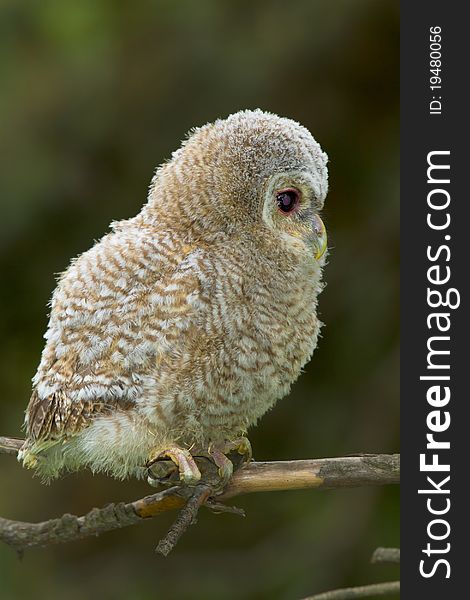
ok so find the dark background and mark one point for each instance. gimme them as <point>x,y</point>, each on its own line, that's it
<point>93,97</point>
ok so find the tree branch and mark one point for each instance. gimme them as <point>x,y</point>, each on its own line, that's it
<point>10,445</point>
<point>326,473</point>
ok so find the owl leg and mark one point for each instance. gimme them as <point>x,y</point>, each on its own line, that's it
<point>181,458</point>
<point>218,453</point>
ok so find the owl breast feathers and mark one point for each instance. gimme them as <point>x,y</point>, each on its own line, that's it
<point>189,321</point>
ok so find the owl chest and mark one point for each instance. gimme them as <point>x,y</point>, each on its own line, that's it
<point>267,334</point>
<point>276,340</point>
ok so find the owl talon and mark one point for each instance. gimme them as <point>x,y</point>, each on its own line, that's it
<point>224,465</point>
<point>218,453</point>
<point>160,470</point>
<point>240,445</point>
<point>243,446</point>
<point>161,473</point>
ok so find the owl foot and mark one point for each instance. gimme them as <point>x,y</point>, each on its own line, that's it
<point>218,454</point>
<point>160,470</point>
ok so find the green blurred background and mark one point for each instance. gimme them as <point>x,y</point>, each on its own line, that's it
<point>93,96</point>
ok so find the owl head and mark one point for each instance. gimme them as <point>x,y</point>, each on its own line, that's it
<point>251,172</point>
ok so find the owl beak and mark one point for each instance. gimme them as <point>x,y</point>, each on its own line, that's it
<point>321,238</point>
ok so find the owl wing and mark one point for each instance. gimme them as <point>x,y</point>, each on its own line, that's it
<point>116,311</point>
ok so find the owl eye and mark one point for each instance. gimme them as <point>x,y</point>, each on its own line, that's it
<point>288,200</point>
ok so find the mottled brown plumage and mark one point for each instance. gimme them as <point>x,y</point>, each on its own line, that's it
<point>185,324</point>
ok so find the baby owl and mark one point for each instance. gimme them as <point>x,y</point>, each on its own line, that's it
<point>181,327</point>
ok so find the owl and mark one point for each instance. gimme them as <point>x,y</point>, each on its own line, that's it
<point>181,327</point>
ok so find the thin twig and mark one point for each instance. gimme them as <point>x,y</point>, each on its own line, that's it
<point>363,591</point>
<point>386,555</point>
<point>325,473</point>
<point>186,518</point>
